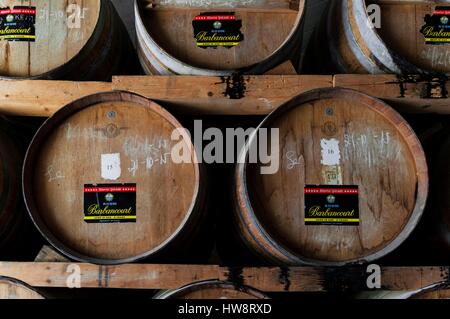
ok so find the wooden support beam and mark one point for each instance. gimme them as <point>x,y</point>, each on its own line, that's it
<point>149,276</point>
<point>408,94</point>
<point>43,98</point>
<point>132,276</point>
<point>248,95</point>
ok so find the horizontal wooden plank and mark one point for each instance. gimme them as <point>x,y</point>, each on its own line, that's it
<point>247,95</point>
<point>407,94</point>
<point>135,276</point>
<point>410,278</point>
<point>149,276</point>
<point>43,98</point>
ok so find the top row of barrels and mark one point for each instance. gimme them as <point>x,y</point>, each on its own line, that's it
<point>86,39</point>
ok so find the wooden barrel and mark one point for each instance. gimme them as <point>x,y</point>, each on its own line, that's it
<point>395,45</point>
<point>205,38</point>
<point>15,289</point>
<point>212,289</point>
<point>101,185</point>
<point>350,187</point>
<point>436,291</point>
<point>47,39</point>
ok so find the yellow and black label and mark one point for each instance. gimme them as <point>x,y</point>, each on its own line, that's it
<point>110,203</point>
<point>18,24</point>
<point>222,29</point>
<point>332,205</point>
<point>437,26</point>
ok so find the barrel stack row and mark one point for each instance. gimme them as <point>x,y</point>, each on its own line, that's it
<point>379,162</point>
<point>79,40</point>
<point>88,41</point>
<point>377,155</point>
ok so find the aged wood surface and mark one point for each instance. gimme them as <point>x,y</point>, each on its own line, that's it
<point>166,36</point>
<point>396,45</point>
<point>333,137</point>
<point>222,4</point>
<point>212,289</point>
<point>48,254</point>
<point>62,29</point>
<point>413,94</point>
<point>247,95</point>
<point>12,289</point>
<point>125,139</point>
<point>148,276</point>
<point>400,30</point>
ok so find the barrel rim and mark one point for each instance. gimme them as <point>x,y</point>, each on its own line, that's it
<point>22,284</point>
<point>65,113</point>
<point>179,67</point>
<point>177,293</point>
<point>443,285</point>
<point>252,225</point>
<point>61,69</point>
<point>404,294</point>
<point>367,63</point>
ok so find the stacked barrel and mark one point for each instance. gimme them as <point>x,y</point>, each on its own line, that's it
<point>101,185</point>
<point>387,37</point>
<point>14,289</point>
<point>73,40</point>
<point>175,37</point>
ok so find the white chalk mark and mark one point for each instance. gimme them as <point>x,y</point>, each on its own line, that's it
<point>134,167</point>
<point>110,166</point>
<point>331,154</point>
<point>293,160</point>
<point>52,174</point>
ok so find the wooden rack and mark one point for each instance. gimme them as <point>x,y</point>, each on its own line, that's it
<point>238,95</point>
<point>51,270</point>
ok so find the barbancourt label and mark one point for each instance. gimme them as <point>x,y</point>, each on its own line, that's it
<point>18,24</point>
<point>332,205</point>
<point>110,203</point>
<point>437,26</point>
<point>212,30</point>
